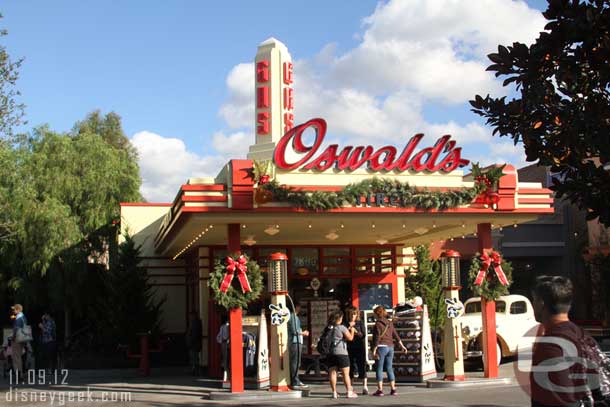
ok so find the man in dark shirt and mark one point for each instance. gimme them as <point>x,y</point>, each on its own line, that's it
<point>555,360</point>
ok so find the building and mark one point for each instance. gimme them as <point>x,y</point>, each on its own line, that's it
<point>358,251</point>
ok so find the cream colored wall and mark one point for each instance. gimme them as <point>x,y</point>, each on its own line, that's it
<point>142,223</point>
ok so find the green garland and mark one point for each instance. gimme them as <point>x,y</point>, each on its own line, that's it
<point>402,194</point>
<point>491,289</point>
<point>234,297</point>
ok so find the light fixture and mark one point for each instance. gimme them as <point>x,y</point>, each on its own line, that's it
<point>332,235</point>
<point>451,239</point>
<point>277,225</point>
<point>243,226</point>
<point>404,225</point>
<point>463,237</point>
<point>381,240</point>
<point>421,231</point>
<point>433,225</point>
<point>575,234</point>
<point>211,226</point>
<point>515,224</point>
<point>373,225</point>
<point>309,225</point>
<point>500,228</point>
<point>341,225</point>
<point>463,225</point>
<point>272,230</point>
<point>249,241</point>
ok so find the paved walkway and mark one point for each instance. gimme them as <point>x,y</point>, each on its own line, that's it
<point>169,388</point>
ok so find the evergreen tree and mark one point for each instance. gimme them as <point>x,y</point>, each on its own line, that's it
<point>426,283</point>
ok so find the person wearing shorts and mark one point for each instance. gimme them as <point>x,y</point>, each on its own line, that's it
<point>339,358</point>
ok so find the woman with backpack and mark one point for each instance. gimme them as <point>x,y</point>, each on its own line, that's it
<point>384,335</point>
<point>338,358</point>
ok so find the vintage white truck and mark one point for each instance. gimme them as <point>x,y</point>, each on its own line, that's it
<point>515,326</point>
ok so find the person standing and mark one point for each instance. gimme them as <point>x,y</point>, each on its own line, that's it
<point>555,382</point>
<point>295,335</point>
<point>18,347</point>
<point>194,337</point>
<point>384,335</point>
<point>48,342</point>
<point>356,348</point>
<point>338,359</point>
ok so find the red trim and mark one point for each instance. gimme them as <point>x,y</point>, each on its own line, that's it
<point>198,187</point>
<point>278,256</point>
<point>535,200</point>
<point>451,253</point>
<point>203,198</point>
<point>145,204</point>
<point>286,209</point>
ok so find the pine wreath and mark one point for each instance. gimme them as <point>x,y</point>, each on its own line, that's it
<point>398,193</point>
<point>234,297</point>
<point>491,288</point>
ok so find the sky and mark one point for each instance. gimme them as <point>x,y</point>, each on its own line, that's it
<point>180,73</point>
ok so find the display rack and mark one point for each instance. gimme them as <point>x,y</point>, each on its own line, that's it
<point>314,317</point>
<point>417,365</point>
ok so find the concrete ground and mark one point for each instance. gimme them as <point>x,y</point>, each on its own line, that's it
<point>174,388</point>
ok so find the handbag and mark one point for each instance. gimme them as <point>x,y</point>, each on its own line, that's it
<point>23,335</point>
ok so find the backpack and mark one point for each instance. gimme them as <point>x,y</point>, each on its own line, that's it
<point>599,393</point>
<point>326,343</point>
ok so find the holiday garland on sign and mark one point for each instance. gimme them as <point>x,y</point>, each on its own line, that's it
<point>236,281</point>
<point>398,193</point>
<point>489,275</point>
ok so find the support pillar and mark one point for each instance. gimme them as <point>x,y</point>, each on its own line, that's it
<point>488,312</point>
<point>235,327</point>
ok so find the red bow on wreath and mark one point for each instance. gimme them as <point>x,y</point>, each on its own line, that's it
<point>232,266</point>
<point>494,260</point>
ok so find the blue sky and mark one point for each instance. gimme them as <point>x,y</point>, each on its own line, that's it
<point>172,70</point>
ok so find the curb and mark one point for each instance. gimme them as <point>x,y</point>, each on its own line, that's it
<point>447,384</point>
<point>269,395</point>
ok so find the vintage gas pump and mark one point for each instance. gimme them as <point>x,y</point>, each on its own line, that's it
<point>278,350</point>
<point>452,341</point>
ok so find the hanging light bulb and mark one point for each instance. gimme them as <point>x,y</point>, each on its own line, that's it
<point>243,226</point>
<point>404,225</point>
<point>433,225</point>
<point>463,224</point>
<point>309,225</point>
<point>341,225</point>
<point>373,225</point>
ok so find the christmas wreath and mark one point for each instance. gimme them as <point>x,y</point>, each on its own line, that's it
<point>236,281</point>
<point>398,193</point>
<point>489,275</point>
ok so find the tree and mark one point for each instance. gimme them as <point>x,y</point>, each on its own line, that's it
<point>426,283</point>
<point>11,112</point>
<point>562,114</point>
<point>131,305</point>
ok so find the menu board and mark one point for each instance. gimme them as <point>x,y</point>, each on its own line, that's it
<point>316,318</point>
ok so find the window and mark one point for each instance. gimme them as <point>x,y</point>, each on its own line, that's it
<point>374,260</point>
<point>336,260</point>
<point>518,307</point>
<point>305,261</point>
<point>370,295</point>
<point>475,307</point>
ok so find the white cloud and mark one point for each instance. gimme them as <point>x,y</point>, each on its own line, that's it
<point>238,111</point>
<point>165,164</point>
<point>233,145</point>
<point>410,54</point>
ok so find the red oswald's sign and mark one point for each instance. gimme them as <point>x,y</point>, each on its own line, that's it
<point>442,156</point>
